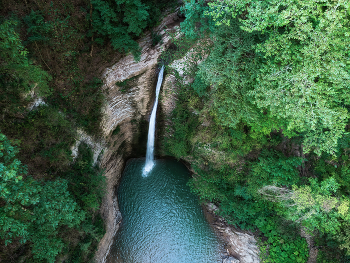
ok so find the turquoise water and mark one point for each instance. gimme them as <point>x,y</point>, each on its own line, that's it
<point>162,220</point>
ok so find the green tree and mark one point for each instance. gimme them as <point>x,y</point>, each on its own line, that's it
<point>287,60</point>
<point>121,21</point>
<point>14,61</point>
<point>276,69</point>
<point>274,168</point>
<point>33,210</point>
<point>315,206</point>
<point>38,29</point>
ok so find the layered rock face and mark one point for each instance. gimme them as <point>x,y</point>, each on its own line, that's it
<point>241,245</point>
<point>130,91</point>
<point>129,87</point>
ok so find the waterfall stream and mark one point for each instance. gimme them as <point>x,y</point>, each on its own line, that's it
<point>151,130</point>
<point>162,220</point>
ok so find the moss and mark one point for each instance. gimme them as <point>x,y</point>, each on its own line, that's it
<point>116,130</point>
<point>156,38</point>
<point>127,84</point>
<point>176,50</point>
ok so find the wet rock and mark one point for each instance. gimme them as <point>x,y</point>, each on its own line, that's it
<point>230,260</point>
<point>310,239</point>
<point>241,246</point>
<point>212,208</point>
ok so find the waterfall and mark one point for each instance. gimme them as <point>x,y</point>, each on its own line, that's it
<point>151,130</point>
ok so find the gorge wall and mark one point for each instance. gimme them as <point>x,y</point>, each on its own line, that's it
<point>129,87</point>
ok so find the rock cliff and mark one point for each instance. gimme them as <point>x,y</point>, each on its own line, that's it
<point>129,87</point>
<point>130,91</point>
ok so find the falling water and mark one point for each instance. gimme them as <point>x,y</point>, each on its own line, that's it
<point>151,130</point>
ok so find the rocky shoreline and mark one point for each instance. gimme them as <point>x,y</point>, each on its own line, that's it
<point>239,246</point>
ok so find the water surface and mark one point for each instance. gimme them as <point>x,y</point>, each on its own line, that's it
<point>162,220</point>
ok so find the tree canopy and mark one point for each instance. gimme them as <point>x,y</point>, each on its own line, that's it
<point>272,101</point>
<point>279,65</point>
<point>33,210</point>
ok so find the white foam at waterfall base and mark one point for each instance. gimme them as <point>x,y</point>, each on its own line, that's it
<point>151,130</point>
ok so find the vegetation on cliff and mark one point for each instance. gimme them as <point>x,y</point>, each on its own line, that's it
<point>265,121</point>
<point>54,52</point>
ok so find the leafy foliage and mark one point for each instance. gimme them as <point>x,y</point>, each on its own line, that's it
<point>38,29</point>
<point>86,182</point>
<point>275,169</point>
<point>18,75</point>
<point>317,208</point>
<point>82,104</point>
<point>47,141</point>
<point>34,211</point>
<point>283,248</point>
<point>116,130</point>
<point>243,208</point>
<point>185,124</point>
<point>14,60</point>
<point>122,21</point>
<point>272,150</point>
<point>156,38</point>
<point>56,208</point>
<point>289,63</point>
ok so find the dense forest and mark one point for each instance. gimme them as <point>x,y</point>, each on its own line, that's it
<point>56,51</point>
<point>264,124</point>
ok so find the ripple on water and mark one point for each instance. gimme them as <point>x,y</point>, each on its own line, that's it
<point>162,220</point>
